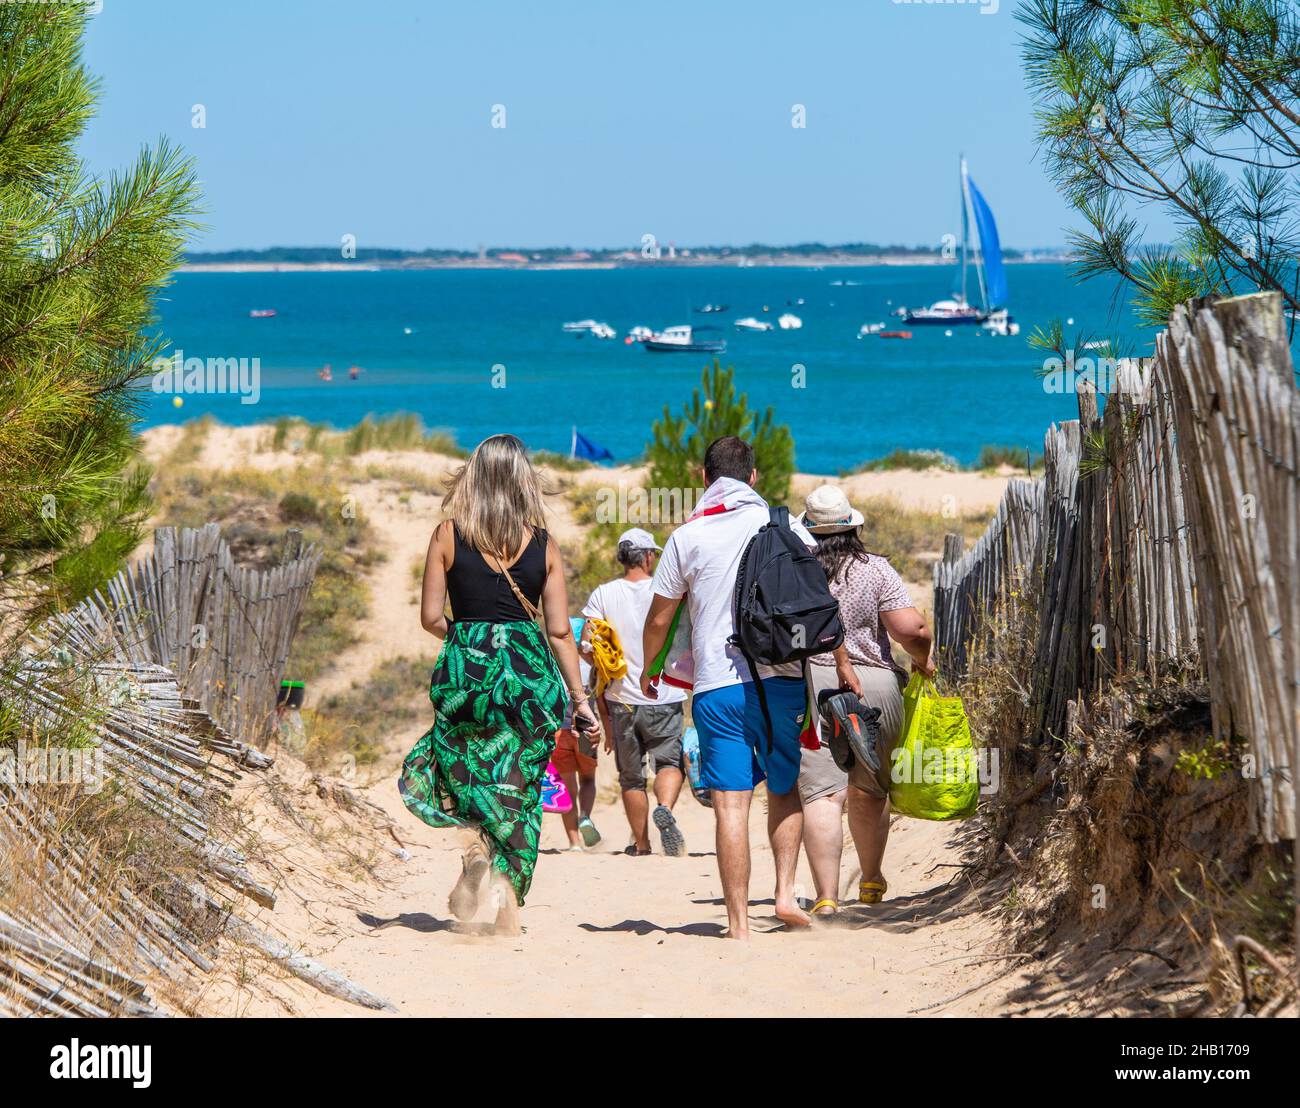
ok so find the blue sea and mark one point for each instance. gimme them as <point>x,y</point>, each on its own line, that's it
<point>432,341</point>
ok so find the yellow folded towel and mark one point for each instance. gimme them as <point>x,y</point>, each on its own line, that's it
<point>607,654</point>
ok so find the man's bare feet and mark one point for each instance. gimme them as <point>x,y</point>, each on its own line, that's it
<point>463,902</point>
<point>732,933</point>
<point>789,913</point>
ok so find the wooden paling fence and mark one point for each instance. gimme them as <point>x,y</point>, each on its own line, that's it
<point>96,694</point>
<point>1163,535</point>
<point>225,630</point>
<point>73,938</point>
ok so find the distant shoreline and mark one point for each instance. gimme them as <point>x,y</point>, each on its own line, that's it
<point>811,261</point>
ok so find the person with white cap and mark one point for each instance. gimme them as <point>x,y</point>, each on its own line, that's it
<point>874,607</point>
<point>640,728</point>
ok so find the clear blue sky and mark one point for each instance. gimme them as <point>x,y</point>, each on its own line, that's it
<point>624,118</point>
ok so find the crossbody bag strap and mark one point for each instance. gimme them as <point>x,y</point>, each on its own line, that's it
<point>534,612</point>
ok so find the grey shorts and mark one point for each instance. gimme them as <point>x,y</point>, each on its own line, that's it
<point>644,731</point>
<point>881,688</point>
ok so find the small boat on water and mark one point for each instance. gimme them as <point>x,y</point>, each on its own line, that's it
<point>681,340</point>
<point>868,330</point>
<point>749,323</point>
<point>959,310</point>
<point>262,313</point>
<point>789,322</point>
<point>590,327</point>
<point>895,334</point>
<point>637,334</point>
<point>943,313</point>
<point>712,308</point>
<point>1000,322</point>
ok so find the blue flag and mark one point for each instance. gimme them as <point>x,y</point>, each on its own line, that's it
<point>587,450</point>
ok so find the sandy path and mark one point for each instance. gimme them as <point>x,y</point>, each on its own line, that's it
<point>609,935</point>
<point>403,522</point>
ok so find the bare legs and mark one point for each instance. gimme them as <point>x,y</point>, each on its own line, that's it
<point>823,841</point>
<point>785,829</point>
<point>637,808</point>
<point>732,812</point>
<point>869,822</point>
<point>583,791</point>
<point>668,785</point>
<point>667,788</point>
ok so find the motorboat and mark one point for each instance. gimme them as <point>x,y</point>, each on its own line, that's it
<point>681,339</point>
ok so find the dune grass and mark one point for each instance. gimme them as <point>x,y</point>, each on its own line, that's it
<point>400,431</point>
<point>904,459</point>
<point>346,732</point>
<point>992,457</point>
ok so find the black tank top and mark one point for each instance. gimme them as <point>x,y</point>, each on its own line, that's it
<point>478,592</point>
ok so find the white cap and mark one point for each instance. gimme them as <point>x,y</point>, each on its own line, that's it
<point>640,538</point>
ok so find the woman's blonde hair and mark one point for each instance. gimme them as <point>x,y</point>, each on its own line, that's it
<point>495,498</point>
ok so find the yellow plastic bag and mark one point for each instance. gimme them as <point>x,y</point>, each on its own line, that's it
<point>935,774</point>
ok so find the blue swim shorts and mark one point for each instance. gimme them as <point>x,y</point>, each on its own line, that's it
<point>733,736</point>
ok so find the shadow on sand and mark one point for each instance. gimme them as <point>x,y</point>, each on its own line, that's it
<point>422,921</point>
<point>645,927</point>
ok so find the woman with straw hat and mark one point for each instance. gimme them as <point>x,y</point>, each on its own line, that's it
<point>875,608</point>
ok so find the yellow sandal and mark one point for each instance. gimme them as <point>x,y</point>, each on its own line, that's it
<point>872,892</point>
<point>825,902</point>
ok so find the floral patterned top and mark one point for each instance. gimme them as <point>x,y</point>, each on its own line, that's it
<point>864,590</point>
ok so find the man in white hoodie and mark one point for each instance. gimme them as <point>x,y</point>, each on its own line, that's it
<point>700,562</point>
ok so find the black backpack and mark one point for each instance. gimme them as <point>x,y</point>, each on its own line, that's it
<point>784,610</point>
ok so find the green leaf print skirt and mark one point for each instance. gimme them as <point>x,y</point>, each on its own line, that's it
<point>498,700</point>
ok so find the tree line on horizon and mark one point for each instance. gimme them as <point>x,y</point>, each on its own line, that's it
<point>314,254</point>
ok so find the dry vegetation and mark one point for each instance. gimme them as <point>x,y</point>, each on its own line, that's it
<point>1123,850</point>
<point>255,507</point>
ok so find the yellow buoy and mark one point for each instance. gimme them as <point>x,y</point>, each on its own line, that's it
<point>177,402</point>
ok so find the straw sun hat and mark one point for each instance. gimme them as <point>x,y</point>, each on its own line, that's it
<point>827,511</point>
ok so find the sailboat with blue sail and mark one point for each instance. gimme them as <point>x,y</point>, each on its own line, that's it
<point>991,311</point>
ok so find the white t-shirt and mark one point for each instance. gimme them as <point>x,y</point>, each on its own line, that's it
<point>700,561</point>
<point>624,604</point>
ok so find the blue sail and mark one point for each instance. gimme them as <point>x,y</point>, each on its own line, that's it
<point>995,277</point>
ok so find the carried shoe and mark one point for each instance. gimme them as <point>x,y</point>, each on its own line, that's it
<point>669,833</point>
<point>872,892</point>
<point>587,829</point>
<point>854,729</point>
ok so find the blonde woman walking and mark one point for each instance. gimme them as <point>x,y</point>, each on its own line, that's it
<point>498,688</point>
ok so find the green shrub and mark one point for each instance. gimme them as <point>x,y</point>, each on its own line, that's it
<point>676,452</point>
<point>904,459</point>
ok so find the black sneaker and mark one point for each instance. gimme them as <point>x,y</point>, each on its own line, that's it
<point>669,833</point>
<point>854,729</point>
